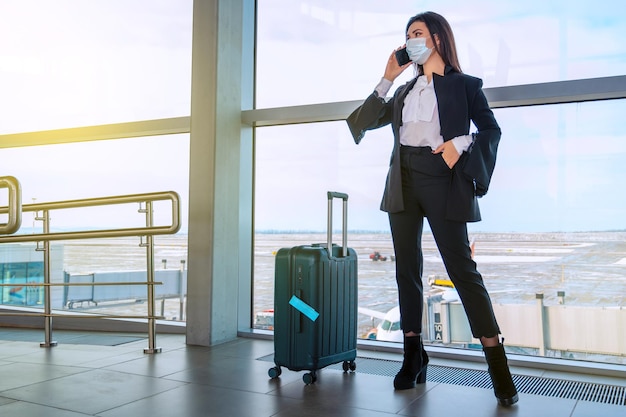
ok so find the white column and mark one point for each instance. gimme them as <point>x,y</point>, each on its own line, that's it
<point>220,177</point>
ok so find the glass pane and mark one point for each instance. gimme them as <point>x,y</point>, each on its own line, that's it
<point>553,225</point>
<point>98,170</point>
<point>324,51</point>
<point>81,63</point>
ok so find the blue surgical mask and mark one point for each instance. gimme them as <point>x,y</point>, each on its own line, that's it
<point>417,50</point>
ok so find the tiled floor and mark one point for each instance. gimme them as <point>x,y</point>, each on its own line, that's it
<point>230,380</point>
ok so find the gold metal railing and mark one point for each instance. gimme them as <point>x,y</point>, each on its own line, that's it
<point>15,205</point>
<point>15,210</point>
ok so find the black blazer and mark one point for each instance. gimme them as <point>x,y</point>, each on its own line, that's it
<point>460,100</point>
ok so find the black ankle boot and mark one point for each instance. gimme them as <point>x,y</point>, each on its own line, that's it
<point>414,364</point>
<point>503,385</point>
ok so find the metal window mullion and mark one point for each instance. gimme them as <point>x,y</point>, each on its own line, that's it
<point>559,92</point>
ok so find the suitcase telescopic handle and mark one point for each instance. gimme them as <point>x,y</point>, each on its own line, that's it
<point>332,195</point>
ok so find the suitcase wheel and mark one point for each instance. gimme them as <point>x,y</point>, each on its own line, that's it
<point>274,372</point>
<point>309,377</point>
<point>349,366</point>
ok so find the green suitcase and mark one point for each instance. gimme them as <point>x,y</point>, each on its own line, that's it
<point>315,304</point>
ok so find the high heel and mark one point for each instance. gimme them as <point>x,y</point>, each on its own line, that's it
<point>421,376</point>
<point>503,386</point>
<point>413,366</point>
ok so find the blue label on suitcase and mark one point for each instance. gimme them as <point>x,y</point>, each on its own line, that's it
<point>304,308</point>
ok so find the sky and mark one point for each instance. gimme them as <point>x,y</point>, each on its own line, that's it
<point>74,63</point>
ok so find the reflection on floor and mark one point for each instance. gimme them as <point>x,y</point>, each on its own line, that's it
<point>98,379</point>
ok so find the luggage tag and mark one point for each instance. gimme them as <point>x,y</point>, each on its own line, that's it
<point>304,308</point>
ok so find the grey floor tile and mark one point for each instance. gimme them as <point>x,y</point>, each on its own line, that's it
<point>235,373</point>
<point>20,408</point>
<point>454,400</point>
<point>162,364</point>
<point>589,409</point>
<point>92,391</point>
<point>12,350</point>
<point>245,348</point>
<point>169,362</point>
<point>202,401</point>
<point>353,390</point>
<point>331,411</point>
<point>4,400</point>
<point>116,359</point>
<point>23,374</point>
<point>156,365</point>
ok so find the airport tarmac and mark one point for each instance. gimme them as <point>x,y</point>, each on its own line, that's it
<point>590,268</point>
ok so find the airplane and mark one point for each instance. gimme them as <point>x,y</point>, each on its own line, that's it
<point>388,329</point>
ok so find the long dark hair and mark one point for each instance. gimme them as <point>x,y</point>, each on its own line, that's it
<point>437,24</point>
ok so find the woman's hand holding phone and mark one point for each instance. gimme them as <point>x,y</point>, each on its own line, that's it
<point>402,56</point>
<point>394,67</point>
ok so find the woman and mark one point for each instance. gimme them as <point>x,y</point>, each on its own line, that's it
<point>436,172</point>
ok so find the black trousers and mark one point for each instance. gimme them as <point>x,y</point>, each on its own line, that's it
<point>425,185</point>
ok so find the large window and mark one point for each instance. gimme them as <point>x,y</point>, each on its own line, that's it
<point>551,245</point>
<point>323,51</point>
<point>71,64</point>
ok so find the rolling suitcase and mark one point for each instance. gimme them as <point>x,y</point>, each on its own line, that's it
<point>315,304</point>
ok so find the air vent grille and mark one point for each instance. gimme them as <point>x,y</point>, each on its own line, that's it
<point>549,387</point>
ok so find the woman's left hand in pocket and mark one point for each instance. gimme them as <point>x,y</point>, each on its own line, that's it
<point>448,153</point>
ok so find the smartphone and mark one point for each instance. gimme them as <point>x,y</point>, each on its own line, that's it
<point>402,57</point>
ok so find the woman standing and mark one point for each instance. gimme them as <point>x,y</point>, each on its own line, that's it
<point>437,171</point>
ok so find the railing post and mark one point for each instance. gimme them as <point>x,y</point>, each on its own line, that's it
<point>46,280</point>
<point>542,323</point>
<point>150,270</point>
<point>181,287</point>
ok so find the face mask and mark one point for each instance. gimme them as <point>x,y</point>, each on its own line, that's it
<point>417,50</point>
